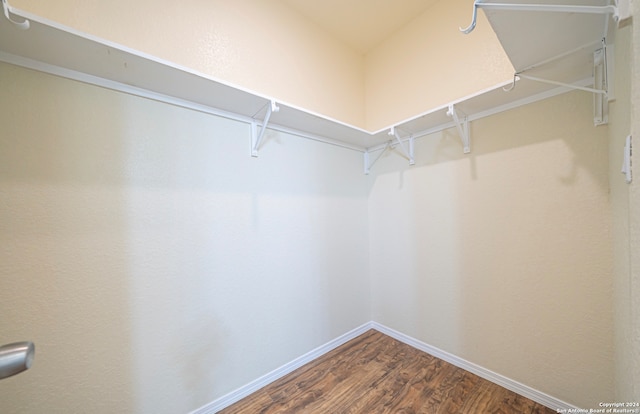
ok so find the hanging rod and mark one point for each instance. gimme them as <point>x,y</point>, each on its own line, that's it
<point>613,10</point>
<point>24,25</point>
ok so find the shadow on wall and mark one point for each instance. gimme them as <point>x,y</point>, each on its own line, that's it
<point>571,121</point>
<point>234,256</point>
<point>502,256</point>
<point>64,280</point>
<point>155,264</point>
<point>537,259</point>
<point>116,328</point>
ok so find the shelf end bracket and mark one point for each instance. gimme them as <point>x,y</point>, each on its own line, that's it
<point>256,137</point>
<point>23,25</point>
<point>462,125</point>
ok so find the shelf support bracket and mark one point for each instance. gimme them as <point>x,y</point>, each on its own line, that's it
<point>601,82</point>
<point>566,85</point>
<point>611,9</point>
<point>396,141</point>
<point>626,162</point>
<point>367,163</point>
<point>462,126</point>
<point>24,25</point>
<point>602,73</point>
<point>408,152</point>
<point>256,137</point>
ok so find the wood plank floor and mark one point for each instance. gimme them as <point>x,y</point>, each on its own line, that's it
<point>375,374</point>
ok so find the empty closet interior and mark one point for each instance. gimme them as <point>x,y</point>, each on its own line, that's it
<point>200,196</point>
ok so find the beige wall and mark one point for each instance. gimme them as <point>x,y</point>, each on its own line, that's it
<point>429,63</point>
<point>633,344</point>
<point>620,127</point>
<point>625,201</point>
<point>503,257</point>
<point>154,263</point>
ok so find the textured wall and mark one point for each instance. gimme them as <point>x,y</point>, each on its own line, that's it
<point>155,264</point>
<point>503,257</point>
<point>626,213</point>
<point>634,209</point>
<point>619,128</point>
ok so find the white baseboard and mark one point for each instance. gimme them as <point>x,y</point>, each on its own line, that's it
<point>515,386</point>
<point>525,391</point>
<point>242,392</point>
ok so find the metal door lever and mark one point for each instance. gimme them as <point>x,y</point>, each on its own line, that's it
<point>15,358</point>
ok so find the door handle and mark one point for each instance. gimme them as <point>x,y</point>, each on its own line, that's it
<point>15,358</point>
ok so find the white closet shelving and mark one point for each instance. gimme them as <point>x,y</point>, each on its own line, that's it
<point>559,43</point>
<point>529,38</point>
<point>532,33</point>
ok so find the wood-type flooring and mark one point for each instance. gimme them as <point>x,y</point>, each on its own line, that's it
<point>376,374</point>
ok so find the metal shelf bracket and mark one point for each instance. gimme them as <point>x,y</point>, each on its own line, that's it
<point>24,25</point>
<point>462,125</point>
<point>626,162</point>
<point>408,152</point>
<point>367,158</point>
<point>602,82</point>
<point>256,137</point>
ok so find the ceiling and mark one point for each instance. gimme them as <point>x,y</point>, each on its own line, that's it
<point>362,24</point>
